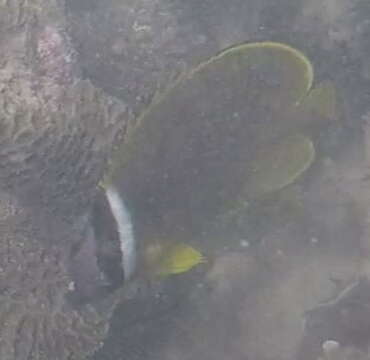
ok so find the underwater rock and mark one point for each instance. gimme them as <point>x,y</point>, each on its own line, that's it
<point>132,49</point>
<point>56,132</point>
<point>344,319</point>
<point>38,321</point>
<point>48,114</point>
<point>48,117</point>
<point>332,350</point>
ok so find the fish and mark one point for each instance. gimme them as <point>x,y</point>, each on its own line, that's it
<point>210,140</point>
<point>118,248</point>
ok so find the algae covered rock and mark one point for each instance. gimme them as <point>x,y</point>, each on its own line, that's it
<point>49,119</point>
<point>56,132</point>
<point>38,321</point>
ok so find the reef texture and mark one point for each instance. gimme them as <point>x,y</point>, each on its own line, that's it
<point>134,48</point>
<point>49,118</point>
<point>37,322</point>
<point>50,163</point>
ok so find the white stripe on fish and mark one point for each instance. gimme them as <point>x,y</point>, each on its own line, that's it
<point>125,230</point>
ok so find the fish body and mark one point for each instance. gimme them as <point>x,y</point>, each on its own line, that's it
<point>111,254</point>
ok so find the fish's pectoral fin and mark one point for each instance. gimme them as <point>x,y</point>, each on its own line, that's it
<point>178,258</point>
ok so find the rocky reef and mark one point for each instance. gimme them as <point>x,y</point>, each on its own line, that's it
<point>51,162</point>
